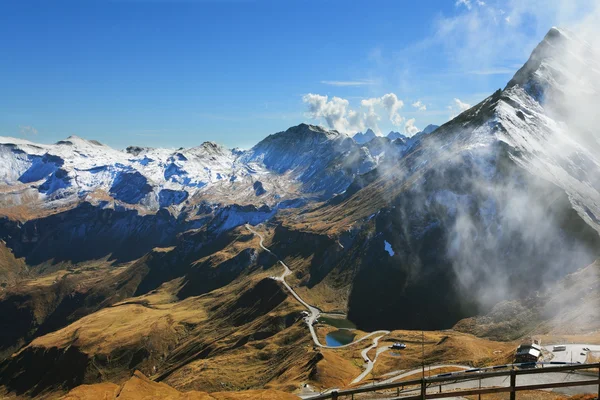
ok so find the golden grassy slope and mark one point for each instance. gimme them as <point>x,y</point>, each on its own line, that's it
<point>223,340</point>
<point>139,387</point>
<point>126,325</point>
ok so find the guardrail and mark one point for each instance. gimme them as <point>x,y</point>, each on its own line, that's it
<point>442,379</point>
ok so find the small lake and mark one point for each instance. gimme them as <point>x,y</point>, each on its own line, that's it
<point>339,337</point>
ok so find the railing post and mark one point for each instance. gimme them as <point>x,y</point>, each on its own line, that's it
<point>334,395</point>
<point>513,384</point>
<point>398,389</point>
<point>423,389</point>
<point>599,383</point>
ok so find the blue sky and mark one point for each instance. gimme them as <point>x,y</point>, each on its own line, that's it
<point>177,73</point>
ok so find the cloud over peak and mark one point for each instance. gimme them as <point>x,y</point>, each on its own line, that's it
<point>462,106</point>
<point>457,106</point>
<point>410,128</point>
<point>336,112</point>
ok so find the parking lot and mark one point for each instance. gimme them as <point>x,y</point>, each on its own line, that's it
<point>574,353</point>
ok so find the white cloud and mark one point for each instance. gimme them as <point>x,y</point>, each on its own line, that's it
<point>333,111</point>
<point>391,105</point>
<point>466,3</point>
<point>27,130</point>
<point>410,128</point>
<point>462,106</point>
<point>457,106</point>
<point>356,121</point>
<point>396,119</point>
<point>372,118</point>
<point>419,105</point>
<point>338,115</point>
<point>348,83</point>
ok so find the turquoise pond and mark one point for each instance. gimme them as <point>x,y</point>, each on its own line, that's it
<point>339,337</point>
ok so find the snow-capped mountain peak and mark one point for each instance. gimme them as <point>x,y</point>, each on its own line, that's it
<point>396,135</point>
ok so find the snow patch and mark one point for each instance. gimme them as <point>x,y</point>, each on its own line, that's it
<point>388,248</point>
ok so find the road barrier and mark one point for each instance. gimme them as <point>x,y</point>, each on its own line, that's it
<point>444,379</point>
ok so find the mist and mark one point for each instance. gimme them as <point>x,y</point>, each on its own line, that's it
<point>506,195</point>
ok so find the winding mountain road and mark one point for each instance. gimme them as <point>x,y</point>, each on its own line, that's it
<point>314,313</point>
<point>370,363</point>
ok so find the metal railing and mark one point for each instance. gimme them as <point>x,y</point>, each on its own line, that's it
<point>474,374</point>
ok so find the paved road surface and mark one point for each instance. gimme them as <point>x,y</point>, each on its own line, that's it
<point>370,363</point>
<point>528,380</point>
<point>572,353</point>
<point>420,370</point>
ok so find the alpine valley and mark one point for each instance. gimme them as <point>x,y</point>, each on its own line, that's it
<point>217,273</point>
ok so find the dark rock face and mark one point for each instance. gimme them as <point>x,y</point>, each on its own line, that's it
<point>90,233</point>
<point>168,197</point>
<point>260,300</point>
<point>174,170</point>
<point>59,179</point>
<point>259,190</point>
<point>41,167</point>
<point>205,277</point>
<point>130,187</point>
<point>37,369</point>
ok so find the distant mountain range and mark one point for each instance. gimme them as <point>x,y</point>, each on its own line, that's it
<point>368,135</point>
<point>305,160</point>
